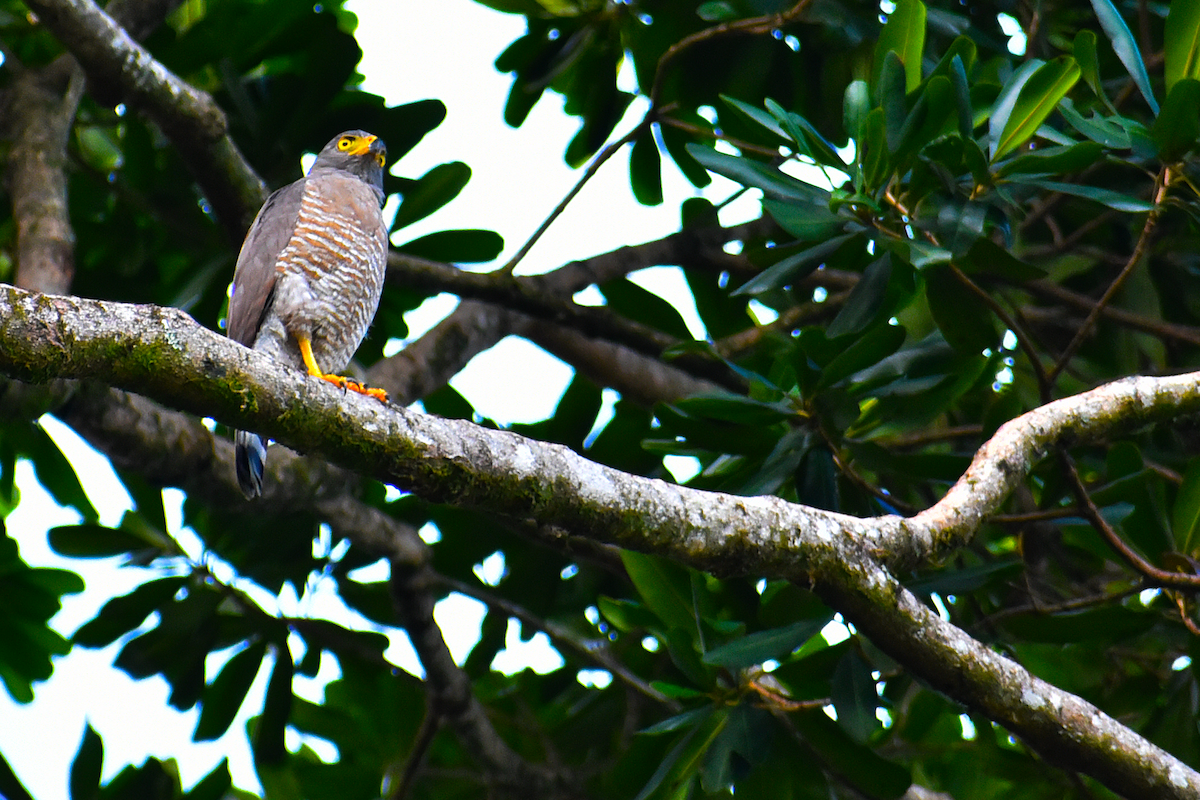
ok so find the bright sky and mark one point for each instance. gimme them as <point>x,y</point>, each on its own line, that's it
<point>412,51</point>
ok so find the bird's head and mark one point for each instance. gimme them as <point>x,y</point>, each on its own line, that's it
<point>357,152</point>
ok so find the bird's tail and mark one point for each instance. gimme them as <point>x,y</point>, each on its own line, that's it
<point>250,454</point>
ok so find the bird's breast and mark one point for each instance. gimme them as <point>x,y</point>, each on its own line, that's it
<point>330,273</point>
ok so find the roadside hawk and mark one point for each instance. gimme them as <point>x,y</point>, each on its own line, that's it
<point>308,279</point>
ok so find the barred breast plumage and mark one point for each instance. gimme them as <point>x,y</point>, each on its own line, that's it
<point>311,272</point>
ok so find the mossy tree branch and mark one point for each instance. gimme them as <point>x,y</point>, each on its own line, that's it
<point>163,354</point>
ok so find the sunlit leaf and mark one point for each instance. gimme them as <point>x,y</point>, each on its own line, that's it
<point>1007,100</point>
<point>904,35</point>
<point>1181,37</point>
<point>1036,100</point>
<point>1126,46</point>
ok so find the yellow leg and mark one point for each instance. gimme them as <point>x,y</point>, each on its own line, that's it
<point>337,380</point>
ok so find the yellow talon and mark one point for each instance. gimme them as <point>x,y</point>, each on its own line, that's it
<point>337,380</point>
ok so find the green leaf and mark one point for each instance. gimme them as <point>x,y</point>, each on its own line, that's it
<point>30,598</point>
<point>54,472</point>
<point>860,766</point>
<point>679,767</point>
<point>771,181</point>
<point>964,319</point>
<point>96,541</point>
<point>85,769</point>
<point>1084,50</point>
<point>1185,516</point>
<point>805,222</point>
<point>1053,160</point>
<point>755,648</point>
<point>430,192</point>
<point>855,106</point>
<point>10,787</point>
<point>641,305</point>
<point>456,247</point>
<point>865,300</point>
<point>1006,101</point>
<point>268,733</point>
<point>716,11</point>
<point>626,615</point>
<point>1181,40</point>
<point>213,786</point>
<point>904,35</point>
<point>869,349</point>
<point>808,140</point>
<point>1037,98</point>
<point>1126,46</point>
<point>728,407</point>
<point>225,695</point>
<point>873,154</point>
<point>1107,624</point>
<point>683,720</point>
<point>676,142</point>
<point>665,588</point>
<point>122,614</point>
<point>756,115</point>
<point>962,99</point>
<point>1178,125</point>
<point>991,259</point>
<point>645,172</point>
<point>854,697</point>
<point>674,690</point>
<point>794,267</point>
<point>967,579</point>
<point>1096,128</point>
<point>1115,200</point>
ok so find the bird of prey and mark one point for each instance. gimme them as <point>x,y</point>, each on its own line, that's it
<point>310,273</point>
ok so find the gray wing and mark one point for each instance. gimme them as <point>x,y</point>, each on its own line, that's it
<point>254,277</point>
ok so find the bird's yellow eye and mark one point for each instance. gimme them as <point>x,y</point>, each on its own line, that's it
<point>345,143</point>
<point>381,158</point>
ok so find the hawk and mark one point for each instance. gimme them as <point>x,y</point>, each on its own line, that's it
<point>310,273</point>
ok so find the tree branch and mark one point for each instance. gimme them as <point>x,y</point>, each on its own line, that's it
<point>162,353</point>
<point>119,68</point>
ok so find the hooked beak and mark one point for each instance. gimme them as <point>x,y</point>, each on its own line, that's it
<point>362,145</point>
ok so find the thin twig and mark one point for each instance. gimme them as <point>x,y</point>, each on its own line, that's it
<point>1161,182</point>
<point>1159,577</point>
<point>592,169</point>
<point>753,25</point>
<point>1023,339</point>
<point>1074,604</point>
<point>1186,334</point>
<point>430,725</point>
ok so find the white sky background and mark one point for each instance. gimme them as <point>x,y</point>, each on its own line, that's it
<point>412,51</point>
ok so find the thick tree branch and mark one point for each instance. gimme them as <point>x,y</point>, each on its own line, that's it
<point>162,353</point>
<point>41,107</point>
<point>121,69</point>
